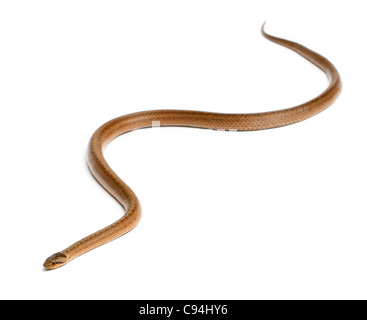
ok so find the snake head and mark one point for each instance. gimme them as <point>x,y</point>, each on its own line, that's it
<point>55,261</point>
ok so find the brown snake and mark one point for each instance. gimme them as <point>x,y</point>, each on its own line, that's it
<point>182,118</point>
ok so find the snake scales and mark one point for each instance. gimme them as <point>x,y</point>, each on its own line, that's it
<point>196,119</point>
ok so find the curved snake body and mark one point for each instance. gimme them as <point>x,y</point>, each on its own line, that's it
<point>196,119</point>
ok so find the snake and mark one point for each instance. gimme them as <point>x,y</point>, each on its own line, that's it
<point>111,182</point>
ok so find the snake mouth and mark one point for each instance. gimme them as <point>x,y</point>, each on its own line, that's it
<point>55,261</point>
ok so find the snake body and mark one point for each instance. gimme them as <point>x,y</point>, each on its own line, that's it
<point>195,119</point>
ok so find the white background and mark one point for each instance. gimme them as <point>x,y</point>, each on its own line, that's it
<point>275,214</point>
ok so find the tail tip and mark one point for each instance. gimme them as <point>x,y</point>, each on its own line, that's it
<point>263,28</point>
